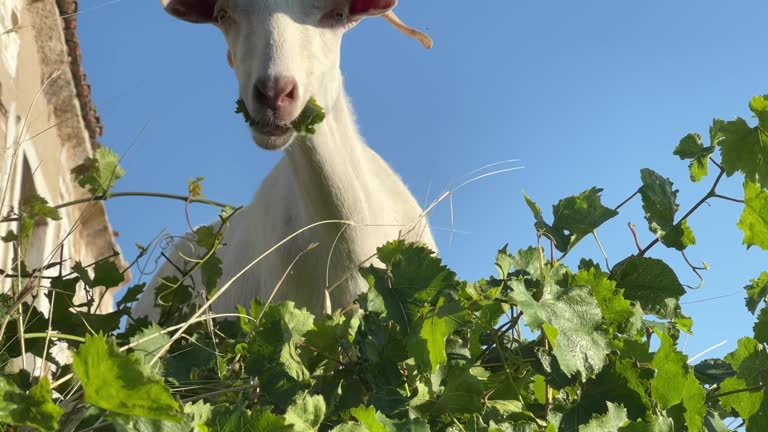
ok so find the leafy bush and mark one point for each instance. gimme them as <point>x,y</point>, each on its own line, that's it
<point>536,346</point>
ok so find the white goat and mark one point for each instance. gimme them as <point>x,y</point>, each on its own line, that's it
<point>283,52</point>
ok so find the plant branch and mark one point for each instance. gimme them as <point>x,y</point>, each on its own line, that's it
<point>712,192</point>
<point>758,387</point>
<point>108,196</point>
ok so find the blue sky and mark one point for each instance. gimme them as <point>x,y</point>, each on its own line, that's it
<point>583,93</point>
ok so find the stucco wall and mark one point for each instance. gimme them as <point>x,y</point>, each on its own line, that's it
<point>46,131</point>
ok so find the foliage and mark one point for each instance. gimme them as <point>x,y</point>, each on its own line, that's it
<point>536,346</point>
<point>309,117</point>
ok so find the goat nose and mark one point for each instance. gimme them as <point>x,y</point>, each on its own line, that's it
<point>279,94</point>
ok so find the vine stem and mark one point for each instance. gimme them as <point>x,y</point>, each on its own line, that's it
<point>737,391</point>
<point>108,196</point>
<point>711,194</point>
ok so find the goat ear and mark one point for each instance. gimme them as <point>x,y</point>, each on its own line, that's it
<point>364,8</point>
<point>194,11</point>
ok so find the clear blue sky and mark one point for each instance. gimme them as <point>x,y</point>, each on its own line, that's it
<point>584,93</point>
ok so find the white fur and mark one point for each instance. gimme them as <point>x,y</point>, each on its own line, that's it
<point>332,175</point>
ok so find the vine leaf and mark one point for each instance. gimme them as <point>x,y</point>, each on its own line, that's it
<point>34,408</point>
<point>751,364</point>
<point>427,343</point>
<point>99,173</point>
<point>620,313</point>
<point>580,345</point>
<point>412,280</point>
<point>757,292</point>
<point>754,219</point>
<point>744,148</point>
<point>671,373</point>
<point>306,414</point>
<point>650,282</point>
<point>367,416</point>
<point>117,382</point>
<point>195,187</point>
<point>615,418</point>
<point>713,371</point>
<point>691,148</point>
<point>660,206</point>
<point>272,351</point>
<point>574,217</point>
<point>559,237</point>
<point>581,214</point>
<point>311,116</point>
<point>34,206</point>
<point>761,326</point>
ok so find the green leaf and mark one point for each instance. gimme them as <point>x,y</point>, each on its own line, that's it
<point>581,214</point>
<point>117,382</point>
<point>427,343</point>
<point>713,371</point>
<point>745,148</point>
<point>413,279</point>
<point>99,173</point>
<point>713,423</point>
<point>694,402</point>
<point>751,363</point>
<point>131,295</point>
<point>34,206</point>
<point>757,291</point>
<point>198,415</point>
<point>34,408</point>
<point>462,395</point>
<point>106,274</point>
<point>310,116</point>
<point>367,416</point>
<point>754,219</point>
<point>272,351</point>
<point>618,311</point>
<point>561,240</point>
<point>306,414</point>
<point>656,424</point>
<point>620,381</point>
<point>691,148</point>
<point>650,282</point>
<point>211,272</point>
<point>9,237</point>
<point>78,322</point>
<point>206,237</point>
<point>332,334</point>
<point>671,373</point>
<point>237,419</point>
<point>761,326</point>
<point>240,108</point>
<point>612,421</point>
<point>660,206</point>
<point>148,343</point>
<point>407,425</point>
<point>581,344</point>
<point>195,187</point>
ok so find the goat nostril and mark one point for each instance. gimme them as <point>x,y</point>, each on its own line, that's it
<point>287,91</point>
<point>278,94</point>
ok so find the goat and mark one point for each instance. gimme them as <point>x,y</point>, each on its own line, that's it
<point>283,53</point>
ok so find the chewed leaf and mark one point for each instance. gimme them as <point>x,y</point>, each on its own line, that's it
<point>310,116</point>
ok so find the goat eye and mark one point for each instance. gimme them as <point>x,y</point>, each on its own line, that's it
<point>221,16</point>
<point>335,18</point>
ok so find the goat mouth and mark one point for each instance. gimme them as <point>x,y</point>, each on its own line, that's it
<point>271,129</point>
